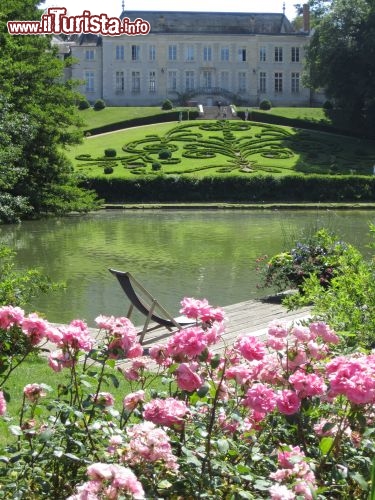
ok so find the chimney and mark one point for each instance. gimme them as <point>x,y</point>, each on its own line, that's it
<point>306,18</point>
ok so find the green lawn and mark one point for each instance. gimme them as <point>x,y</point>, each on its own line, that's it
<point>308,114</point>
<point>200,148</point>
<point>106,116</point>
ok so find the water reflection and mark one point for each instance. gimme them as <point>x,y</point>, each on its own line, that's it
<point>173,253</point>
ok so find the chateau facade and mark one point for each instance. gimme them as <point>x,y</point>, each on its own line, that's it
<point>195,57</point>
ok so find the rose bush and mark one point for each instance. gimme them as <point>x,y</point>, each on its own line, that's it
<point>287,417</point>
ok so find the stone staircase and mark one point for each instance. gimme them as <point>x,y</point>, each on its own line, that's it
<point>213,113</point>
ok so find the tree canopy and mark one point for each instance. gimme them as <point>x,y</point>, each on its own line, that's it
<point>341,58</point>
<point>37,119</point>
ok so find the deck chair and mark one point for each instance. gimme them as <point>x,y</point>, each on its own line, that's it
<point>145,303</point>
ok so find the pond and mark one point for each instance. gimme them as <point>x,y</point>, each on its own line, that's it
<point>205,254</point>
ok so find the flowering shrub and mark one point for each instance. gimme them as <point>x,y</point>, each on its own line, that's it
<point>318,255</point>
<point>283,418</point>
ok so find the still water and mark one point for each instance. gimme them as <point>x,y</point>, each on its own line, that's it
<point>174,254</point>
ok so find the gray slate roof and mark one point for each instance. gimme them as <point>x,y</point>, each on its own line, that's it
<point>230,23</point>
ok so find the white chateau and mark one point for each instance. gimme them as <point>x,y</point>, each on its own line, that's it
<point>195,57</point>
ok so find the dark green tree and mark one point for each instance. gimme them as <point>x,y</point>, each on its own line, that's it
<point>340,58</point>
<point>37,120</point>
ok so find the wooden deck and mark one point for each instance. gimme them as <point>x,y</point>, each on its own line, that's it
<point>250,317</point>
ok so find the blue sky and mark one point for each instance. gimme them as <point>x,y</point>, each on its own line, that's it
<point>113,8</point>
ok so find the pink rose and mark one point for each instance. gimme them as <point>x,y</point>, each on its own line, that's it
<point>288,402</point>
<point>250,348</point>
<point>260,398</point>
<point>3,404</point>
<point>187,378</point>
<point>169,412</point>
<point>132,400</point>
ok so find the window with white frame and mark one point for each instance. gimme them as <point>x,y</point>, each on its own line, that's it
<point>120,52</point>
<point>207,54</point>
<point>172,80</point>
<point>241,55</point>
<point>89,81</point>
<point>90,54</point>
<point>224,80</point>
<point>172,52</point>
<point>278,83</point>
<point>120,81</point>
<point>295,54</point>
<point>189,53</point>
<point>262,82</point>
<point>224,54</point>
<point>136,81</point>
<point>242,81</point>
<point>262,54</point>
<point>295,83</point>
<point>189,80</point>
<point>278,54</point>
<point>136,52</point>
<point>152,81</point>
<point>151,53</point>
<point>207,79</point>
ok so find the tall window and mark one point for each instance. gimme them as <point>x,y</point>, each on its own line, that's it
<point>136,51</point>
<point>224,80</point>
<point>190,53</point>
<point>224,54</point>
<point>278,54</point>
<point>90,81</point>
<point>172,80</point>
<point>172,52</point>
<point>207,79</point>
<point>189,80</point>
<point>207,53</point>
<point>151,52</point>
<point>120,81</point>
<point>241,55</point>
<point>262,82</point>
<point>152,82</point>
<point>295,54</point>
<point>262,54</point>
<point>295,83</point>
<point>278,82</point>
<point>90,54</point>
<point>136,81</point>
<point>242,81</point>
<point>120,52</point>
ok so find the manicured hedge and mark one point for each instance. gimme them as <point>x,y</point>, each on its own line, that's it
<point>144,120</point>
<point>252,189</point>
<point>256,116</point>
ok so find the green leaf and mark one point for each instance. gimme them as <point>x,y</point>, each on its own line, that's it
<point>15,430</point>
<point>360,480</point>
<point>203,390</point>
<point>223,445</point>
<point>325,445</point>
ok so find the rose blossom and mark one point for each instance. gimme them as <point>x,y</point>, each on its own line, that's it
<point>187,343</point>
<point>131,401</point>
<point>187,378</point>
<point>260,398</point>
<point>33,392</point>
<point>281,492</point>
<point>307,384</point>
<point>169,412</point>
<point>3,404</point>
<point>103,399</point>
<point>149,443</point>
<point>10,316</point>
<point>288,402</point>
<point>278,328</point>
<point>250,348</point>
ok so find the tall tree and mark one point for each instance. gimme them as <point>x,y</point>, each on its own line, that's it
<point>41,108</point>
<point>340,57</point>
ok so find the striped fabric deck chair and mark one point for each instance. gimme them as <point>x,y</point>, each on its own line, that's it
<point>155,314</point>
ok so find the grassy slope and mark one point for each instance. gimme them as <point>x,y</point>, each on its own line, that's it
<point>314,152</point>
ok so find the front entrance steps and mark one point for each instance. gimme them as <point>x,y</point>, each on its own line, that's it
<point>216,113</point>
